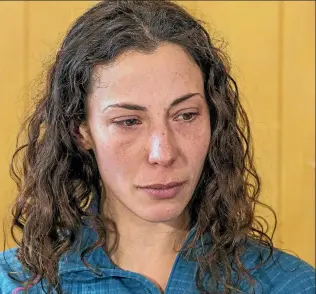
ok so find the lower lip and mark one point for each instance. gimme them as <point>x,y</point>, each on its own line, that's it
<point>163,193</point>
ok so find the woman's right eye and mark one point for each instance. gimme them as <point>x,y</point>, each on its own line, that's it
<point>127,123</point>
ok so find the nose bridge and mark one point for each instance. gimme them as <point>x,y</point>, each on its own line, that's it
<point>163,148</point>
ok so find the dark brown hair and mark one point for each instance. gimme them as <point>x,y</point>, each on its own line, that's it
<point>58,176</point>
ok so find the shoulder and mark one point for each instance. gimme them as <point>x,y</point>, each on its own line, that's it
<point>281,273</point>
<point>9,264</point>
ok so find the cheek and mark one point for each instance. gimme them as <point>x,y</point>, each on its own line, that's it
<point>197,150</point>
<point>115,158</point>
<point>195,141</point>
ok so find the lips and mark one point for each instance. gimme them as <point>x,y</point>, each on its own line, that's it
<point>162,186</point>
<point>163,191</point>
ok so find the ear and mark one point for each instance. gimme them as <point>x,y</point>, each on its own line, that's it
<point>84,136</point>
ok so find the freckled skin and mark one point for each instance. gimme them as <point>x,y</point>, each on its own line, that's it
<point>162,147</point>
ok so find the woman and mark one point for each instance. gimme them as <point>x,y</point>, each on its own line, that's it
<point>138,174</point>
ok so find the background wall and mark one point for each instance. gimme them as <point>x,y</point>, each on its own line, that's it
<point>272,49</point>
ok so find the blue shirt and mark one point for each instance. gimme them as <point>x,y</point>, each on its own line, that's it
<point>289,275</point>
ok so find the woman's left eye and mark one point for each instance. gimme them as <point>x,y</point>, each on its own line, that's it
<point>188,116</point>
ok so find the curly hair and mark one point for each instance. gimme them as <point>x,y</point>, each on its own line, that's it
<point>57,176</point>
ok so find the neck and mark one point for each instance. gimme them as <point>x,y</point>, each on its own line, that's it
<point>144,245</point>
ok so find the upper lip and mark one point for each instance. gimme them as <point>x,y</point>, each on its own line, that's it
<point>162,186</point>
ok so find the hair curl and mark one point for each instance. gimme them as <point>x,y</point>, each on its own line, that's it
<point>58,176</point>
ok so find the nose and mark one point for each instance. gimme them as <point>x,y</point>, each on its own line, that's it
<point>163,148</point>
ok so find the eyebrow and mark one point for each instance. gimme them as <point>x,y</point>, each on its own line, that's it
<point>131,106</point>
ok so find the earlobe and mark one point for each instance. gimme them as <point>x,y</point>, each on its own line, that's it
<point>85,137</point>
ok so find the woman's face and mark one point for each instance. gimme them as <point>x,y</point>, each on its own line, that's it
<point>143,134</point>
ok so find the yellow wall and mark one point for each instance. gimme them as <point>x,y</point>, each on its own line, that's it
<point>272,47</point>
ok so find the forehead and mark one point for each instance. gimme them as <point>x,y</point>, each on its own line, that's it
<point>169,70</point>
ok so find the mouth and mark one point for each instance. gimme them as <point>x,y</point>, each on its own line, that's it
<point>163,191</point>
<point>162,186</point>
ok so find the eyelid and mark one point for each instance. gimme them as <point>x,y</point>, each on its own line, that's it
<point>125,117</point>
<point>187,110</point>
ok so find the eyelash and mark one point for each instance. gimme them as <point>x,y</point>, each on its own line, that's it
<point>121,122</point>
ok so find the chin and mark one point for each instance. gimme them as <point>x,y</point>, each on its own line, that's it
<point>161,215</point>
